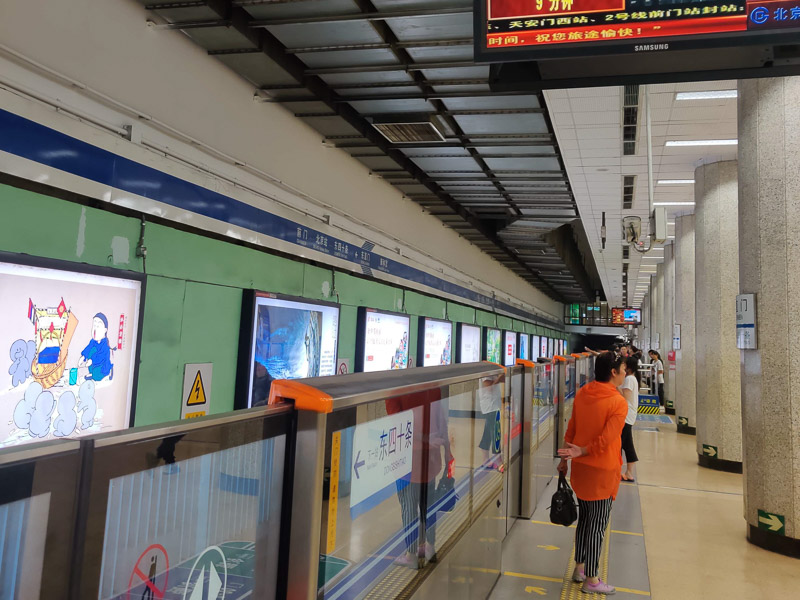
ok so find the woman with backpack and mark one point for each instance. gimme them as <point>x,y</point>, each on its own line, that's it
<point>593,444</point>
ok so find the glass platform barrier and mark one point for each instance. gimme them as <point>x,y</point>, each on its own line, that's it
<point>38,492</point>
<point>566,385</point>
<point>183,511</point>
<point>398,489</point>
<point>537,433</point>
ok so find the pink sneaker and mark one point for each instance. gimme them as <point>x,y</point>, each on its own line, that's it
<point>406,559</point>
<point>578,575</point>
<point>598,588</point>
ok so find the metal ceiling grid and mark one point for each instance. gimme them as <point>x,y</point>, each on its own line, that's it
<point>592,153</point>
<point>497,176</point>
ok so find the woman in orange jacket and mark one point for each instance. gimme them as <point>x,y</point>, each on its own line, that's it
<point>593,443</point>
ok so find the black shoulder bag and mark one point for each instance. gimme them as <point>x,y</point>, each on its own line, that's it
<point>563,509</point>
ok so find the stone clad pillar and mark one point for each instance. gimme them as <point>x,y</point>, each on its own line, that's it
<point>685,382</point>
<point>718,396</point>
<point>666,332</point>
<point>769,263</point>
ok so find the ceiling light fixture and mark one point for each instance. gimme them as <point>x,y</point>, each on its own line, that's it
<point>675,181</point>
<point>710,95</point>
<point>678,143</point>
<point>673,203</point>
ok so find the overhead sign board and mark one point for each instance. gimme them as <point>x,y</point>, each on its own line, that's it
<point>542,29</point>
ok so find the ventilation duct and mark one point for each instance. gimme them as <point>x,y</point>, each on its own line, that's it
<point>408,129</point>
<point>628,186</point>
<point>630,119</point>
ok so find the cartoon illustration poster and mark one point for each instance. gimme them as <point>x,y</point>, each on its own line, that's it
<point>69,341</point>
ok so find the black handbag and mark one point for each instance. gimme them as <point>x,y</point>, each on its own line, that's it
<point>563,508</point>
<point>445,489</point>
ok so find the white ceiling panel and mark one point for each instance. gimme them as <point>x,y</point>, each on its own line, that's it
<point>588,126</point>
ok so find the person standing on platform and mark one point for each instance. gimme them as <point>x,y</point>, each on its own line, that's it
<point>658,375</point>
<point>630,391</point>
<point>593,444</point>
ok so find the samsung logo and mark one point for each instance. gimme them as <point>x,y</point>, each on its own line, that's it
<point>650,47</point>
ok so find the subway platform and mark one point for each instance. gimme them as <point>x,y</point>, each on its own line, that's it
<point>676,533</point>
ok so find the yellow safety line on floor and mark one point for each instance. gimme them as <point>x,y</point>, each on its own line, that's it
<point>554,524</point>
<point>536,577</point>
<point>627,533</point>
<point>572,591</point>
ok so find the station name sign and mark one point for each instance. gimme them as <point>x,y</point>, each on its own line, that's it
<point>541,29</point>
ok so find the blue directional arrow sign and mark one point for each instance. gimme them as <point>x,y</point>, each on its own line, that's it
<point>358,464</point>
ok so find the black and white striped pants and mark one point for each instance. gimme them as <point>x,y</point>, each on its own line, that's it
<point>415,520</point>
<point>592,522</point>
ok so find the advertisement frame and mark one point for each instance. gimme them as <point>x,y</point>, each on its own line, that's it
<point>87,269</point>
<point>459,333</point>
<point>244,361</point>
<point>421,321</point>
<point>519,345</point>
<point>361,332</point>
<point>485,346</point>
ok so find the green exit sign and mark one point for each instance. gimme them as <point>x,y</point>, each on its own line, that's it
<point>772,522</point>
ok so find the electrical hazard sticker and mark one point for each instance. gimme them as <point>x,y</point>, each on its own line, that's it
<point>196,390</point>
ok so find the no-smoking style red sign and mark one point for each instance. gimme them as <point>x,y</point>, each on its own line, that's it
<point>149,577</point>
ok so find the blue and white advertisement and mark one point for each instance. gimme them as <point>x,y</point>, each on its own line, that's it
<point>382,455</point>
<point>524,342</point>
<point>291,340</point>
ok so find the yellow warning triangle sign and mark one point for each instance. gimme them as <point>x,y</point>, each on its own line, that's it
<point>197,395</point>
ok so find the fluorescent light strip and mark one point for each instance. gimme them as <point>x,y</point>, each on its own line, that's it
<point>709,95</point>
<point>680,143</point>
<point>675,181</point>
<point>673,203</point>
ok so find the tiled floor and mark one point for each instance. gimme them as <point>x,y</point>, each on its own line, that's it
<point>693,547</point>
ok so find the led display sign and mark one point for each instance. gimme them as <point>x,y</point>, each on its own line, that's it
<point>542,29</point>
<point>626,316</point>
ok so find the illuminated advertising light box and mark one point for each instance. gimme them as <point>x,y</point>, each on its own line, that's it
<point>435,342</point>
<point>468,348</point>
<point>493,345</point>
<point>536,348</point>
<point>550,347</point>
<point>71,335</point>
<point>626,316</point>
<point>546,29</point>
<point>543,347</point>
<point>382,340</point>
<point>510,349</point>
<point>283,337</point>
<point>524,346</point>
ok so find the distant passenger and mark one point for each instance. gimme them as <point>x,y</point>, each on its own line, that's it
<point>593,443</point>
<point>658,375</point>
<point>630,390</point>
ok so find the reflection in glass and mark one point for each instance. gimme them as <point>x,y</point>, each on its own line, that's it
<point>170,526</point>
<point>23,531</point>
